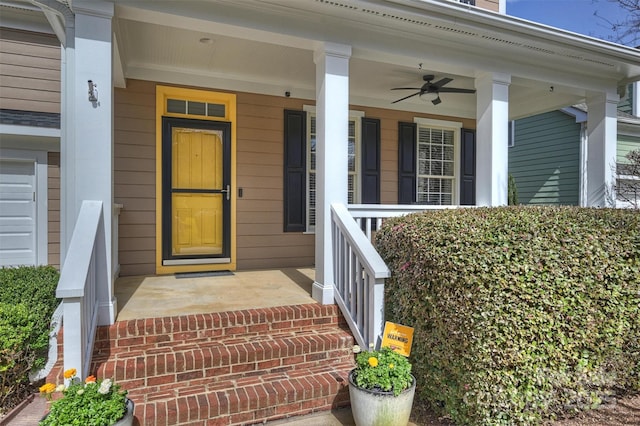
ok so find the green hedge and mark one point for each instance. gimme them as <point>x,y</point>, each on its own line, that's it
<point>520,313</point>
<point>27,302</point>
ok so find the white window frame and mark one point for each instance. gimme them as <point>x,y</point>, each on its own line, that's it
<point>455,127</point>
<point>356,117</point>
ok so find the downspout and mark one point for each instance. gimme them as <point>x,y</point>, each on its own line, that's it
<point>62,20</point>
<point>584,154</point>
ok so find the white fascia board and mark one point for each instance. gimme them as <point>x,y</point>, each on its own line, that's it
<point>12,129</point>
<point>579,115</point>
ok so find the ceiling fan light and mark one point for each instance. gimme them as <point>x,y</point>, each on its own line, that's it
<point>428,96</point>
<point>436,101</point>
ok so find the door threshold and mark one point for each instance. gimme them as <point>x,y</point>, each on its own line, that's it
<point>203,274</point>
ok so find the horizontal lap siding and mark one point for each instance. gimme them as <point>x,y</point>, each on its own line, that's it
<point>493,5</point>
<point>53,211</point>
<point>626,144</point>
<point>135,175</point>
<point>545,161</point>
<point>389,120</point>
<point>29,71</point>
<point>261,240</point>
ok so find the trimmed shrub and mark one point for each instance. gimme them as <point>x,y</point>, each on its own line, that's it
<point>27,302</point>
<point>520,313</point>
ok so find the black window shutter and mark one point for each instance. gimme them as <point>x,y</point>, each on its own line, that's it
<point>407,133</point>
<point>370,161</point>
<point>295,171</point>
<point>468,167</point>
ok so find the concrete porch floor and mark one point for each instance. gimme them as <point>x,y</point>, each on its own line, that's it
<point>169,295</point>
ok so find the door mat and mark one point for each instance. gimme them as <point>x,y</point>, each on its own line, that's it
<point>203,274</point>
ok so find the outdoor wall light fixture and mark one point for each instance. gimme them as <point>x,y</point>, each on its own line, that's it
<point>93,91</point>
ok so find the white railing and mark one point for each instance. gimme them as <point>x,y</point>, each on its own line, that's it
<point>370,217</point>
<point>77,287</point>
<point>359,271</point>
<point>359,274</point>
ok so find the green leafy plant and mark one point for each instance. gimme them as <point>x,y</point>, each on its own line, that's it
<point>92,403</point>
<point>520,314</point>
<point>27,302</point>
<point>383,370</point>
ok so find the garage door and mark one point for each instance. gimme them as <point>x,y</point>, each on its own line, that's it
<point>17,213</point>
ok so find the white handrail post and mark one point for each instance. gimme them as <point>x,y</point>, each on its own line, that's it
<point>73,341</point>
<point>376,314</point>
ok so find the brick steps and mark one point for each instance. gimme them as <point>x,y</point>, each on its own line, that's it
<point>229,368</point>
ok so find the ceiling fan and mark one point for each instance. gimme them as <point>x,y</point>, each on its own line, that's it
<point>430,87</point>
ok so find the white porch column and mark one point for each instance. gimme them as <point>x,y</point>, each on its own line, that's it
<point>602,118</point>
<point>492,139</point>
<point>87,149</point>
<point>332,120</point>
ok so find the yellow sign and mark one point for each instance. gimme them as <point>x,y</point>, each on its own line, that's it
<point>397,337</point>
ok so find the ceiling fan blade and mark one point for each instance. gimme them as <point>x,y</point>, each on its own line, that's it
<point>406,97</point>
<point>455,90</point>
<point>406,88</point>
<point>442,82</point>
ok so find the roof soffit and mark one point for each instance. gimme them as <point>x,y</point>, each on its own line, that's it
<point>442,31</point>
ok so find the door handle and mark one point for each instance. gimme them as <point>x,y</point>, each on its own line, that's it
<point>228,191</point>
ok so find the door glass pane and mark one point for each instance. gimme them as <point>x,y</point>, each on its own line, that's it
<point>197,224</point>
<point>196,159</point>
<point>197,216</point>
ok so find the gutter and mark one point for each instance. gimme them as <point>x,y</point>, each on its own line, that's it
<point>487,20</point>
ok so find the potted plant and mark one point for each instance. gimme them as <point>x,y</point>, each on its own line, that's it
<point>381,388</point>
<point>92,403</point>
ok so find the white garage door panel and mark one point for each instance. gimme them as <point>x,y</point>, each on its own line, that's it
<point>17,213</point>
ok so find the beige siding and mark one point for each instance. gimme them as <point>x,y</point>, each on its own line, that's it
<point>53,199</point>
<point>488,4</point>
<point>260,164</point>
<point>29,71</point>
<point>134,176</point>
<point>261,242</point>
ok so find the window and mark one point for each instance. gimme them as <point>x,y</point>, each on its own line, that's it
<point>437,159</point>
<point>353,194</point>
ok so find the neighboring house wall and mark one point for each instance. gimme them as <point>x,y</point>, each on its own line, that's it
<point>545,159</point>
<point>30,103</point>
<point>488,4</point>
<point>261,241</point>
<point>29,71</point>
<point>626,144</point>
<point>626,104</point>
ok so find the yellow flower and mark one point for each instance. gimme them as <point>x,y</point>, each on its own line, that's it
<point>70,373</point>
<point>391,366</point>
<point>47,388</point>
<point>373,361</point>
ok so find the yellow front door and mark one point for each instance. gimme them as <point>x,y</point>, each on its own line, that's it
<point>196,195</point>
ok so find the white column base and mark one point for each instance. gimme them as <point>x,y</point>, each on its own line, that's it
<point>107,312</point>
<point>322,293</point>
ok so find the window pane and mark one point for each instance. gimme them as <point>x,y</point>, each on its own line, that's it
<point>215,110</point>
<point>352,155</point>
<point>176,106</point>
<point>196,108</point>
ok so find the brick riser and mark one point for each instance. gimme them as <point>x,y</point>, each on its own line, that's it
<point>229,368</point>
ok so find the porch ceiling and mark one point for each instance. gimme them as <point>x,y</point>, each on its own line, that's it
<point>267,47</point>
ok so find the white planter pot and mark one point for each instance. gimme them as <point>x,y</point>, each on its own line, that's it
<point>127,420</point>
<point>376,408</point>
